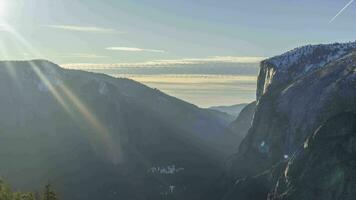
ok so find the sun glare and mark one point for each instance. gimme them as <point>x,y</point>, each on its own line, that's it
<point>2,8</point>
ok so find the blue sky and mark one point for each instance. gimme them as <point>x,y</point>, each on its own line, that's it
<point>129,34</point>
<point>72,31</point>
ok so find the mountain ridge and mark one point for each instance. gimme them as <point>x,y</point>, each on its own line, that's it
<point>233,110</point>
<point>96,136</point>
<point>291,105</point>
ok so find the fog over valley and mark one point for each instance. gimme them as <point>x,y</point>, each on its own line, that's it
<point>204,84</point>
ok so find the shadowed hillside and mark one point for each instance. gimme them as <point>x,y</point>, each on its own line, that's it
<point>96,136</point>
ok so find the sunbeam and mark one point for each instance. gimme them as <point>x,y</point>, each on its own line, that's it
<point>28,47</point>
<point>50,87</point>
<point>8,65</point>
<point>113,149</point>
<point>2,8</point>
<point>67,99</point>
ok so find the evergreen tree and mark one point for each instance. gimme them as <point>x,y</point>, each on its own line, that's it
<point>49,193</point>
<point>24,196</point>
<point>5,191</point>
<point>7,194</point>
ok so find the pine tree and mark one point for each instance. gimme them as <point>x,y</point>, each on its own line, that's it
<point>49,193</point>
<point>5,191</point>
<point>24,196</point>
<point>7,194</point>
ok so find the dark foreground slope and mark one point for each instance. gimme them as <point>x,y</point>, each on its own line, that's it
<point>96,137</point>
<point>298,92</point>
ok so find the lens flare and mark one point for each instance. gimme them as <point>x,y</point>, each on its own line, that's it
<point>68,100</point>
<point>2,8</point>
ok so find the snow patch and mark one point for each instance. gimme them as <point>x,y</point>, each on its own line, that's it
<point>103,88</point>
<point>293,57</point>
<point>171,169</point>
<point>168,190</point>
<point>263,147</point>
<point>171,188</point>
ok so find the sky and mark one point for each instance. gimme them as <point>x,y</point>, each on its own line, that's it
<point>94,34</point>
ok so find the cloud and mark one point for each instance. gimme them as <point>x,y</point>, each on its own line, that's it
<point>342,10</point>
<point>92,29</point>
<point>229,59</point>
<point>167,63</point>
<point>203,90</point>
<point>81,55</point>
<point>134,49</point>
<point>192,78</point>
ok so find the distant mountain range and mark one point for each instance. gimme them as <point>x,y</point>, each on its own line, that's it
<point>233,110</point>
<point>243,122</point>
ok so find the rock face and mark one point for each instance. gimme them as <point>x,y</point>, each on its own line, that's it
<point>97,137</point>
<point>325,168</point>
<point>279,71</point>
<point>297,93</point>
<point>244,120</point>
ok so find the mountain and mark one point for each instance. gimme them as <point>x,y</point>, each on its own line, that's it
<point>243,123</point>
<point>305,96</point>
<point>233,110</point>
<point>324,168</point>
<point>222,115</point>
<point>93,136</point>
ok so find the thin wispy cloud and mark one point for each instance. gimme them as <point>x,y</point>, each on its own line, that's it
<point>167,63</point>
<point>93,29</point>
<point>81,55</point>
<point>231,59</point>
<point>341,11</point>
<point>134,49</point>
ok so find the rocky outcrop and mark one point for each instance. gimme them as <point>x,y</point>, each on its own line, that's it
<point>325,167</point>
<point>297,92</point>
<point>279,71</point>
<point>244,121</point>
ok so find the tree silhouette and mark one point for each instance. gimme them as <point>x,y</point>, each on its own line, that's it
<point>5,191</point>
<point>49,193</point>
<point>24,196</point>
<point>7,194</point>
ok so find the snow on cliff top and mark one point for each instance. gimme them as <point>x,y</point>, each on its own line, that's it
<point>321,55</point>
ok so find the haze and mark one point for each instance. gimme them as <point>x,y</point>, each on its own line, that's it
<point>94,34</point>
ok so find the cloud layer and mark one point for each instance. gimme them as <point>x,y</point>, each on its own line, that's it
<point>81,55</point>
<point>203,90</point>
<point>134,49</point>
<point>184,61</point>
<point>93,29</point>
<point>203,81</point>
